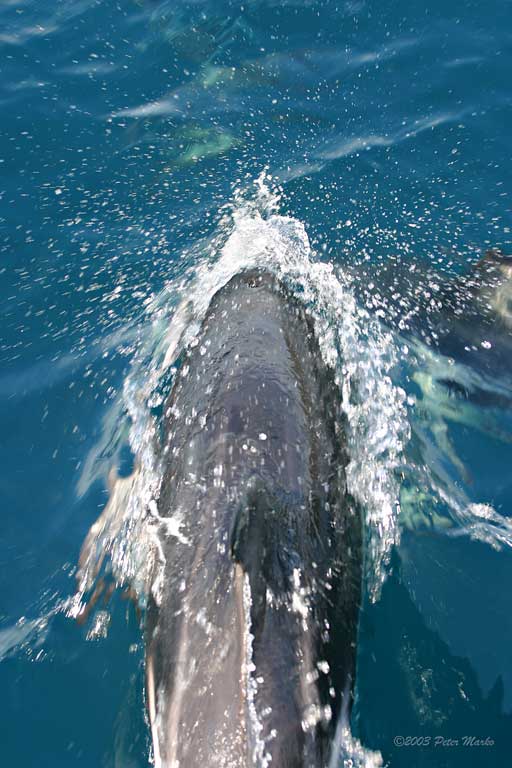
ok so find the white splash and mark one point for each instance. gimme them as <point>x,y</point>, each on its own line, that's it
<point>253,234</point>
<point>25,634</point>
<point>28,636</point>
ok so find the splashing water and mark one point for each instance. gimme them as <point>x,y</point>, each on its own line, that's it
<point>252,235</point>
<point>26,635</point>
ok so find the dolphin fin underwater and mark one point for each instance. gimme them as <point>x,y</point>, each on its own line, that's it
<point>465,317</point>
<point>252,615</point>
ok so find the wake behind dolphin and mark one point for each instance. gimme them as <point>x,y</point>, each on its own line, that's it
<point>251,644</point>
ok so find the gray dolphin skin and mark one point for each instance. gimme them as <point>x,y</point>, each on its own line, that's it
<point>251,637</point>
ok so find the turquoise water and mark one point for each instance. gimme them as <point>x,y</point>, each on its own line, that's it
<point>148,150</point>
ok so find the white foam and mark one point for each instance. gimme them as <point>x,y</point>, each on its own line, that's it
<point>253,234</point>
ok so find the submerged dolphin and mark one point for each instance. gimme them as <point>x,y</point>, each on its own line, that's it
<point>460,329</point>
<point>475,325</point>
<point>467,318</point>
<point>251,627</point>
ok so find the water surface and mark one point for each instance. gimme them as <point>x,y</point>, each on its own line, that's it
<point>147,151</point>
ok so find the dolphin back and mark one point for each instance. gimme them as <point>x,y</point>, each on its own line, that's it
<point>252,624</point>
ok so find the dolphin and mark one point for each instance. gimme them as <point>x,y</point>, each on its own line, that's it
<point>475,324</point>
<point>251,623</point>
<point>466,318</point>
<point>459,327</point>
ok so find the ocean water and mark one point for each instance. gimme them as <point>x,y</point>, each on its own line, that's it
<point>148,151</point>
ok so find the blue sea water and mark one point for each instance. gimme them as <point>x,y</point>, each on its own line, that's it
<point>145,147</point>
